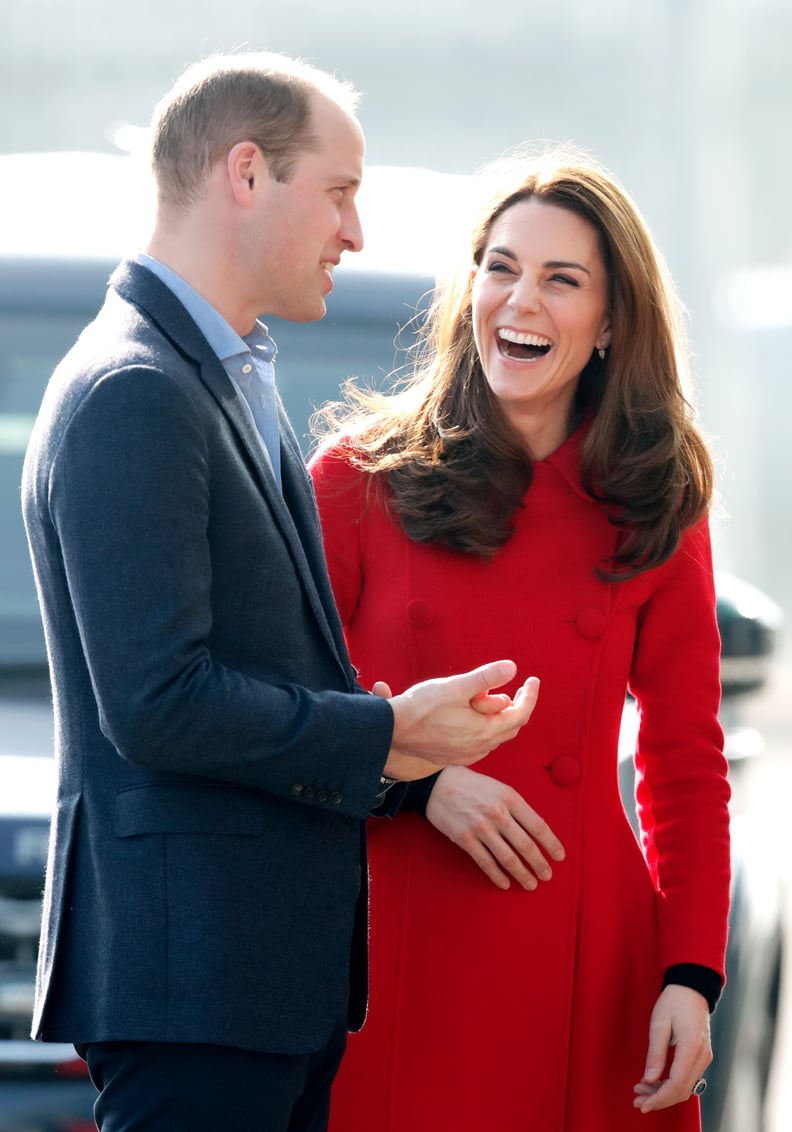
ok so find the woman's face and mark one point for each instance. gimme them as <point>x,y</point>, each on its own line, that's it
<point>540,306</point>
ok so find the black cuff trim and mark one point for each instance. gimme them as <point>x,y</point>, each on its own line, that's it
<point>417,795</point>
<point>702,979</point>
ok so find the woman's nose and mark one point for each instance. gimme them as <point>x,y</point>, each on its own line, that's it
<point>524,295</point>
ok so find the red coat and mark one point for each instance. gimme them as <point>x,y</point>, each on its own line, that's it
<point>516,1011</point>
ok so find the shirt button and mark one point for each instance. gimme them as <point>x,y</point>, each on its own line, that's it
<point>564,770</point>
<point>591,623</point>
<point>247,368</point>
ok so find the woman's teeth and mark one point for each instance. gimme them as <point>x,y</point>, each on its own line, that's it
<point>523,346</point>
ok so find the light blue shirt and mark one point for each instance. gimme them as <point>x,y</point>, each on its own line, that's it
<point>249,361</point>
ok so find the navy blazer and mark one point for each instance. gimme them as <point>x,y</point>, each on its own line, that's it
<point>217,760</point>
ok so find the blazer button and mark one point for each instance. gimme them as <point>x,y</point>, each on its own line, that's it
<point>321,795</point>
<point>564,770</point>
<point>591,623</point>
<point>296,790</point>
<point>335,798</point>
<point>419,614</point>
<point>308,792</point>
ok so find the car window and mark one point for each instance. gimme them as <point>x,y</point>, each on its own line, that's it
<point>368,328</point>
<point>314,359</point>
<point>31,343</point>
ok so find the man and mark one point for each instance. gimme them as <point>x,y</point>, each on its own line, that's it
<point>204,926</point>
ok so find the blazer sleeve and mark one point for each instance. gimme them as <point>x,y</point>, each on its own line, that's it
<point>682,789</point>
<point>129,492</point>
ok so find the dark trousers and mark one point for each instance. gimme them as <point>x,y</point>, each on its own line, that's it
<point>170,1087</point>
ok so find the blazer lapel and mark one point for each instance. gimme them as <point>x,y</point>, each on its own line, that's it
<point>301,505</point>
<point>294,509</point>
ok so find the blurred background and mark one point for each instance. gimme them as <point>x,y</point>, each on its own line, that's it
<point>689,102</point>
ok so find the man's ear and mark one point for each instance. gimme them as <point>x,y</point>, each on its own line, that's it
<point>246,168</point>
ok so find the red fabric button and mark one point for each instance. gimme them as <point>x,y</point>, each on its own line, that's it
<point>419,614</point>
<point>564,770</point>
<point>591,623</point>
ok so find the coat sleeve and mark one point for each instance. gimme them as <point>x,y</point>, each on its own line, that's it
<point>682,790</point>
<point>129,493</point>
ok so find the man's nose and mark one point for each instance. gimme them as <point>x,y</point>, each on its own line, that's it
<point>351,230</point>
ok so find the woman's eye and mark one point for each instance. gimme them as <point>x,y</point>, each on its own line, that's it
<point>568,279</point>
<point>499,266</point>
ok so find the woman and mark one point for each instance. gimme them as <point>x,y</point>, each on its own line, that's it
<point>539,488</point>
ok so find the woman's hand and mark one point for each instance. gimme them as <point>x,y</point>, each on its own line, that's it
<point>680,1019</point>
<point>495,826</point>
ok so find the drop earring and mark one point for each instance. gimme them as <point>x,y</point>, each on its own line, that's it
<point>601,352</point>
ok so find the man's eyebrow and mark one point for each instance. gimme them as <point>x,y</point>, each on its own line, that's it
<point>500,249</point>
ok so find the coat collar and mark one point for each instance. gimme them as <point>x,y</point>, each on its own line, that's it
<point>566,459</point>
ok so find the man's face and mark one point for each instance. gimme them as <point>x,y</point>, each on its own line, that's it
<point>301,227</point>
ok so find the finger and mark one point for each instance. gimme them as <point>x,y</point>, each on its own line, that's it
<point>513,864</point>
<point>516,841</point>
<point>535,855</point>
<point>664,1094</point>
<point>539,834</point>
<point>382,690</point>
<point>657,1054</point>
<point>656,1092</point>
<point>528,693</point>
<point>487,863</point>
<point>486,676</point>
<point>487,703</point>
<point>507,721</point>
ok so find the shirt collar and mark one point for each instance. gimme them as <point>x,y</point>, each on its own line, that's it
<point>223,339</point>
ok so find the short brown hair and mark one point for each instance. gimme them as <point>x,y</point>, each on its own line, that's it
<point>253,96</point>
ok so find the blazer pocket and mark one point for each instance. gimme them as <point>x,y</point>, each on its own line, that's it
<point>187,808</point>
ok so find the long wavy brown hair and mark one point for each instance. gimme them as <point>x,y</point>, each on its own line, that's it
<point>457,469</point>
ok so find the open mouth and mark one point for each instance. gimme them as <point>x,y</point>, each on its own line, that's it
<point>522,347</point>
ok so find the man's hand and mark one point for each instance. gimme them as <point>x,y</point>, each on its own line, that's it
<point>437,723</point>
<point>495,826</point>
<point>680,1019</point>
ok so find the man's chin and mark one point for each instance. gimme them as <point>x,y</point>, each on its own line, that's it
<point>302,313</point>
<point>317,312</point>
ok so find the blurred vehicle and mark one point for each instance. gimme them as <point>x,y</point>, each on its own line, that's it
<point>53,276</point>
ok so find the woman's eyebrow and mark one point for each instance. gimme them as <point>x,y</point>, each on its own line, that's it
<point>500,249</point>
<point>555,263</point>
